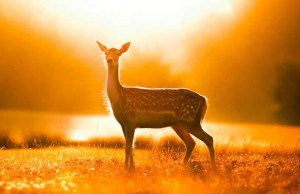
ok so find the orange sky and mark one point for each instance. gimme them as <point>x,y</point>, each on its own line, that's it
<point>152,26</point>
<point>227,50</point>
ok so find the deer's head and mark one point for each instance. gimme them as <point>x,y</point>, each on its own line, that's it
<point>112,55</point>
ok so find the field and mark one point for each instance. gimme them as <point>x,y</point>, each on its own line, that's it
<point>101,170</point>
<point>251,158</point>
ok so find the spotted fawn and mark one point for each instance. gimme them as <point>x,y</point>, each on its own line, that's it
<point>135,107</point>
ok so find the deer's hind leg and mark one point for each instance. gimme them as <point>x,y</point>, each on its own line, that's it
<point>187,139</point>
<point>207,139</point>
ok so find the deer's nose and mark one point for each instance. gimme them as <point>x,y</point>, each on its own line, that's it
<point>109,60</point>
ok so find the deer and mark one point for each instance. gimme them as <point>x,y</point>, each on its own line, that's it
<point>137,107</point>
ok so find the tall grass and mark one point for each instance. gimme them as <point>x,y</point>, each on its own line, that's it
<point>158,170</point>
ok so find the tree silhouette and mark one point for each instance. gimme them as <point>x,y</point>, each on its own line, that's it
<point>287,93</point>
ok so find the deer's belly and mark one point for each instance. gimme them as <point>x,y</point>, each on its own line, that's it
<point>154,119</point>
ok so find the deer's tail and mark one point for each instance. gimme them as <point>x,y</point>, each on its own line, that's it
<point>203,108</point>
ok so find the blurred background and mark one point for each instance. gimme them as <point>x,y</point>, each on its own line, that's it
<point>243,55</point>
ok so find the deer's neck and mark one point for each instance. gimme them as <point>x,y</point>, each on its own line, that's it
<point>114,86</point>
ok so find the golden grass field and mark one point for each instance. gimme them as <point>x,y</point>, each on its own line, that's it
<point>251,158</point>
<point>101,170</point>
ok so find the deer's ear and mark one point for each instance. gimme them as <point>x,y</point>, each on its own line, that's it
<point>102,47</point>
<point>125,47</point>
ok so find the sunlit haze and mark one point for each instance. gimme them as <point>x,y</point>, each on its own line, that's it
<point>149,96</point>
<point>242,55</point>
<point>160,25</point>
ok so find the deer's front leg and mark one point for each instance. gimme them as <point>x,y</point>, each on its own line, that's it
<point>129,136</point>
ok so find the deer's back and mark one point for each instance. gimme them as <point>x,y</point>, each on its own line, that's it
<point>169,105</point>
